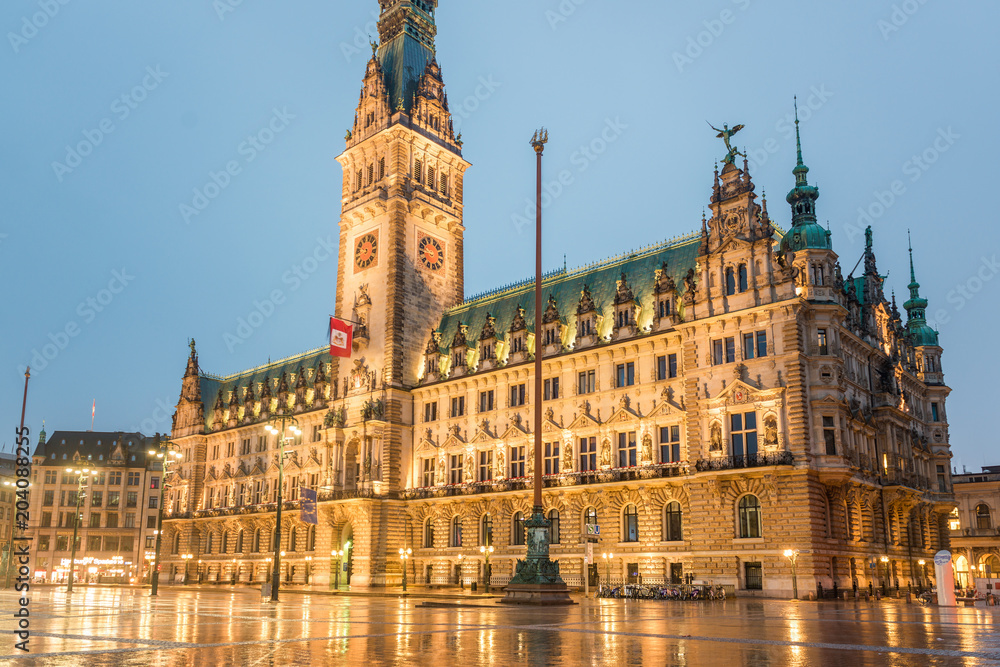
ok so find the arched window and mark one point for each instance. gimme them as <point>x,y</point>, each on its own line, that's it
<point>456,531</point>
<point>177,544</point>
<point>631,524</point>
<point>293,536</point>
<point>672,527</point>
<point>983,519</point>
<point>208,545</point>
<point>517,529</point>
<point>311,539</point>
<point>256,541</point>
<point>486,532</point>
<point>428,534</point>
<point>750,525</point>
<point>553,526</point>
<point>225,542</point>
<point>239,541</point>
<point>743,277</point>
<point>730,281</point>
<point>589,518</point>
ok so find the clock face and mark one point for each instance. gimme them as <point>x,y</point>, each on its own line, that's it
<point>366,251</point>
<point>430,252</point>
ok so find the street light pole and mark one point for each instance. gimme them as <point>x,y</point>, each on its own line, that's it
<point>792,555</point>
<point>885,579</point>
<point>161,450</point>
<point>293,427</point>
<point>486,551</point>
<point>335,556</point>
<point>607,567</point>
<point>404,555</point>
<point>81,476</point>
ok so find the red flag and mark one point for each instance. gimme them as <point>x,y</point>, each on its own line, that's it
<point>341,335</point>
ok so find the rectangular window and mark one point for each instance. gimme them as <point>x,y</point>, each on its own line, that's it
<point>661,367</point>
<point>730,349</point>
<point>152,502</point>
<point>43,542</point>
<point>215,452</point>
<point>114,498</point>
<point>717,352</point>
<point>664,307</point>
<point>62,543</point>
<point>829,436</point>
<point>551,389</point>
<point>821,341</point>
<point>110,543</point>
<point>115,479</point>
<point>588,454</point>
<point>430,412</point>
<point>444,185</point>
<point>418,171</point>
<point>626,374</point>
<point>517,461</point>
<point>94,543</point>
<point>486,465</point>
<point>430,178</point>
<point>132,499</point>
<point>154,482</point>
<point>458,406</point>
<point>381,168</point>
<point>934,413</point>
<point>428,472</point>
<point>95,519</point>
<point>486,400</point>
<point>48,498</point>
<point>455,474</point>
<point>97,499</point>
<point>230,449</point>
<point>942,479</point>
<point>133,479</point>
<point>587,382</point>
<point>150,522</point>
<point>761,343</point>
<point>670,444</point>
<point>98,480</point>
<point>126,543</point>
<point>112,521</point>
<point>50,476</point>
<point>150,542</point>
<point>46,519</point>
<point>551,458</point>
<point>517,395</point>
<point>360,180</point>
<point>626,450</point>
<point>68,479</point>
<point>743,434</point>
<point>371,174</point>
<point>748,346</point>
<point>130,520</point>
<point>317,436</point>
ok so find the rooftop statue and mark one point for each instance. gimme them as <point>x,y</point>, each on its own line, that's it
<point>726,134</point>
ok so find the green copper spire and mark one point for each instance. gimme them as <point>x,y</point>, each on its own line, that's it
<point>805,233</point>
<point>406,31</point>
<point>916,310</point>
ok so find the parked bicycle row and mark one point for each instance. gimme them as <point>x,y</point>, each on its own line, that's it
<point>641,592</point>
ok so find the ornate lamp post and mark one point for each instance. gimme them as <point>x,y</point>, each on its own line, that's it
<point>187,559</point>
<point>335,557</point>
<point>199,570</point>
<point>486,551</point>
<point>288,430</point>
<point>885,578</point>
<point>404,555</point>
<point>461,583</point>
<point>923,573</point>
<point>235,572</point>
<point>308,568</point>
<point>81,480</point>
<point>793,555</point>
<point>607,566</point>
<point>166,451</point>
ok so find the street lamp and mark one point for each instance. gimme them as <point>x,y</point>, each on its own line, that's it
<point>234,572</point>
<point>199,570</point>
<point>885,578</point>
<point>486,551</point>
<point>461,584</point>
<point>607,566</point>
<point>10,539</point>
<point>284,433</point>
<point>335,556</point>
<point>186,558</point>
<point>923,572</point>
<point>308,568</point>
<point>81,476</point>
<point>166,451</point>
<point>792,555</point>
<point>404,555</point>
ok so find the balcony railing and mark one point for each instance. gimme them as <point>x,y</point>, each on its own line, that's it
<point>751,461</point>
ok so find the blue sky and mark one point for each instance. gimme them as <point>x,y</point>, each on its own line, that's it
<point>100,262</point>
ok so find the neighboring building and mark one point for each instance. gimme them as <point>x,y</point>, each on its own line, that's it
<point>117,514</point>
<point>709,402</point>
<point>975,533</point>
<point>8,490</point>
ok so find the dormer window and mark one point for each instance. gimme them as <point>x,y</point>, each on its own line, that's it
<point>551,336</point>
<point>517,344</point>
<point>586,326</point>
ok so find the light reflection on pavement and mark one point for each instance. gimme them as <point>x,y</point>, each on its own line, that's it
<point>106,626</point>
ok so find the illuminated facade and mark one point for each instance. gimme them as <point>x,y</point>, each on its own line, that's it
<point>116,533</point>
<point>709,402</point>
<point>975,534</point>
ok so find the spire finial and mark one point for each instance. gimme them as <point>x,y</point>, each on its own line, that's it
<point>909,243</point>
<point>798,139</point>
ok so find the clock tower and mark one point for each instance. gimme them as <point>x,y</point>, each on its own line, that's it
<point>401,232</point>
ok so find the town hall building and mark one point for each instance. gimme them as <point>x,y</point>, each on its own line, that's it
<point>709,402</point>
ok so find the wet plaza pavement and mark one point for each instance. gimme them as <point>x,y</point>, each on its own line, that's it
<point>106,626</point>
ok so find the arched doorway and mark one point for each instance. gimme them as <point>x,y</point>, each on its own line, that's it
<point>991,567</point>
<point>962,572</point>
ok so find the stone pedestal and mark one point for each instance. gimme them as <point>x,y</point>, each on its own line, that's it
<point>536,580</point>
